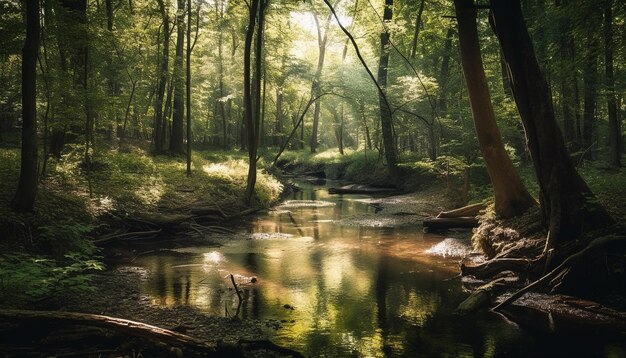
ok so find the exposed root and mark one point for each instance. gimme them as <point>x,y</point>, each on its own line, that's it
<point>597,245</point>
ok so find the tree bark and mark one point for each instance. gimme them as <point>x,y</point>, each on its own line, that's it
<point>568,206</point>
<point>615,133</point>
<point>24,198</point>
<point>315,87</point>
<point>510,196</point>
<point>188,88</point>
<point>249,101</point>
<point>163,72</point>
<point>568,97</point>
<point>444,74</point>
<point>590,78</point>
<point>278,126</point>
<point>386,118</point>
<point>418,25</point>
<point>178,120</point>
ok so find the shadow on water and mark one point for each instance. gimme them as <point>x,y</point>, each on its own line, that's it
<point>329,289</point>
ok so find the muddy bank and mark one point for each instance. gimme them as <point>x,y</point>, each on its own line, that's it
<point>117,293</point>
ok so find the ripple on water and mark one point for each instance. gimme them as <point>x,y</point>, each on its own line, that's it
<point>269,235</point>
<point>450,247</point>
<point>306,204</point>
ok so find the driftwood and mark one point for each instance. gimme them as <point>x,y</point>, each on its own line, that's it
<point>466,211</point>
<point>123,326</point>
<point>360,189</point>
<point>450,223</point>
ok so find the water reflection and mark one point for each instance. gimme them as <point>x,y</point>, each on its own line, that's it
<point>354,290</point>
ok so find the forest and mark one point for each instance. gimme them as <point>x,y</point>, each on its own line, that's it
<point>269,178</point>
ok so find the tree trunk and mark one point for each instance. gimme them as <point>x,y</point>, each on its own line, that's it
<point>249,101</point>
<point>278,127</point>
<point>615,134</point>
<point>568,206</point>
<point>163,74</point>
<point>444,74</point>
<point>506,85</point>
<point>386,119</point>
<point>567,66</point>
<point>418,24</point>
<point>510,196</point>
<point>188,88</point>
<point>590,78</point>
<point>24,198</point>
<point>315,87</point>
<point>178,120</point>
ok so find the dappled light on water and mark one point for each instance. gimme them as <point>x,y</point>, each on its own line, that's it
<point>328,289</point>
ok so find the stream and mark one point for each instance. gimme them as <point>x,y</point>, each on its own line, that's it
<point>330,277</point>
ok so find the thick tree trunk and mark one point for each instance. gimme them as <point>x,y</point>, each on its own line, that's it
<point>615,134</point>
<point>386,118</point>
<point>510,196</point>
<point>567,204</point>
<point>24,198</point>
<point>178,120</point>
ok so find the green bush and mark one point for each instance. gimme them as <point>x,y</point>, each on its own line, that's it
<point>26,279</point>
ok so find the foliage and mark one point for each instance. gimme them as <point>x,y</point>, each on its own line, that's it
<point>26,278</point>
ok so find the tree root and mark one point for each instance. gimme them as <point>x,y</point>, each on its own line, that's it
<point>494,266</point>
<point>469,210</point>
<point>597,245</point>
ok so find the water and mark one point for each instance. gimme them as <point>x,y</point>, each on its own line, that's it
<point>332,278</point>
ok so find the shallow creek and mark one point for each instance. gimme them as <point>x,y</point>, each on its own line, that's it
<point>330,277</point>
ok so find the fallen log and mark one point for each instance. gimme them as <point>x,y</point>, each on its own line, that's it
<point>450,223</point>
<point>120,325</point>
<point>483,296</point>
<point>466,211</point>
<point>360,189</point>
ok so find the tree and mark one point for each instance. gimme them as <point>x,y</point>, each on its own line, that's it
<point>615,132</point>
<point>568,206</point>
<point>188,87</point>
<point>176,139</point>
<point>251,103</point>
<point>159,118</point>
<point>24,198</point>
<point>386,118</point>
<point>322,38</point>
<point>510,196</point>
